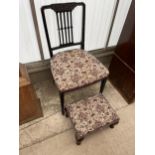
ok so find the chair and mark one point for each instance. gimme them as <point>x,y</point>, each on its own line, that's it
<point>71,69</point>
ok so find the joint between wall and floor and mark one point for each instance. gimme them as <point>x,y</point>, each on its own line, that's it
<point>103,55</point>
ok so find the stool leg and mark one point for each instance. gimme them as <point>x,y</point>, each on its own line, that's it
<point>102,85</point>
<point>111,126</point>
<point>62,102</point>
<point>78,139</point>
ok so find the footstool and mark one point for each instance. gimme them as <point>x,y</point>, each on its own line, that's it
<point>88,115</point>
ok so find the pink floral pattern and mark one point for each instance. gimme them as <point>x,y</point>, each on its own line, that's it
<point>76,68</point>
<point>90,114</point>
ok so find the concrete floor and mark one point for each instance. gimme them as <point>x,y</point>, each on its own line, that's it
<point>53,133</point>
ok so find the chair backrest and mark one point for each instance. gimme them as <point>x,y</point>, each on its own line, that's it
<point>65,25</point>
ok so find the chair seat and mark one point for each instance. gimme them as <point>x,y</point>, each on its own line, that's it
<point>76,68</point>
<point>90,114</point>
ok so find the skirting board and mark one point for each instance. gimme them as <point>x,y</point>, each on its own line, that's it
<point>103,55</point>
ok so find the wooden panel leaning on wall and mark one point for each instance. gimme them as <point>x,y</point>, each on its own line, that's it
<point>29,104</point>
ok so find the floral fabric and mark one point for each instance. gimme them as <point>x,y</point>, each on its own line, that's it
<point>90,114</point>
<point>76,68</point>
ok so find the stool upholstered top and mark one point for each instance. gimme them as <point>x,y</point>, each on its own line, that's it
<point>90,114</point>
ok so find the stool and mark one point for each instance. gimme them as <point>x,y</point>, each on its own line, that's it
<point>88,115</point>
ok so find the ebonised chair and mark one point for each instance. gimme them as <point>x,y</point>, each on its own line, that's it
<point>71,69</point>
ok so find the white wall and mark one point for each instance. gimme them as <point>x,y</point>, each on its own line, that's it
<point>28,46</point>
<point>98,17</point>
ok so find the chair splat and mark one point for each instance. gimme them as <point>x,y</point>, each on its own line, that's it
<point>64,25</point>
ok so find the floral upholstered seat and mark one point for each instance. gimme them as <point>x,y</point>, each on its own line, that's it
<point>76,68</point>
<point>90,114</point>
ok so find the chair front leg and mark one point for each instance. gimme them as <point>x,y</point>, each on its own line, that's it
<point>103,82</point>
<point>62,102</point>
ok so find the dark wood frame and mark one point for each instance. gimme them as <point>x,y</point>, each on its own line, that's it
<point>65,26</point>
<point>123,61</point>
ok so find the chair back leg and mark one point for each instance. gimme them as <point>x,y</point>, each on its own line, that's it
<point>103,82</point>
<point>62,102</point>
